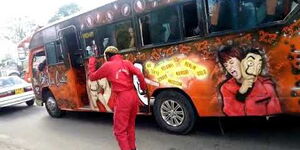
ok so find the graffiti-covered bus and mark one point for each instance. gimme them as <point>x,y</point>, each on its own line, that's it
<point>200,58</point>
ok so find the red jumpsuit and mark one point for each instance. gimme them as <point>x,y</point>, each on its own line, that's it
<point>120,73</point>
<point>262,100</point>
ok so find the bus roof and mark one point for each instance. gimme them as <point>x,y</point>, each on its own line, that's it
<point>105,14</point>
<point>72,16</point>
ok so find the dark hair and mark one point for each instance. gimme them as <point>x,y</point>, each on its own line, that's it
<point>42,65</point>
<point>253,50</point>
<point>109,54</point>
<point>227,52</point>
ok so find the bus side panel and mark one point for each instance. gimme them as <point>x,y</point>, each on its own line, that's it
<point>284,67</point>
<point>190,67</point>
<point>68,92</point>
<point>194,67</point>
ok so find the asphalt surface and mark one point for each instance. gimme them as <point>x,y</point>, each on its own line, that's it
<point>30,128</point>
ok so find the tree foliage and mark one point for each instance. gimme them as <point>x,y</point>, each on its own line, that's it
<point>18,28</point>
<point>64,11</point>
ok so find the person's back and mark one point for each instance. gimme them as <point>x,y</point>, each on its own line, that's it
<point>120,73</point>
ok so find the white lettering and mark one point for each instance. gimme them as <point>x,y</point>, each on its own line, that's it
<point>120,71</point>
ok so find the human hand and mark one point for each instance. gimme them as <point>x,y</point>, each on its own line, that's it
<point>143,92</point>
<point>247,84</point>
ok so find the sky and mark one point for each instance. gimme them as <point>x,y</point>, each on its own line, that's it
<point>39,10</point>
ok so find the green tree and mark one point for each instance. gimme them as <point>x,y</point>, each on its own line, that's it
<point>64,11</point>
<point>18,28</point>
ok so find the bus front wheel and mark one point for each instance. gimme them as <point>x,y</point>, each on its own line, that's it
<point>52,107</point>
<point>174,112</point>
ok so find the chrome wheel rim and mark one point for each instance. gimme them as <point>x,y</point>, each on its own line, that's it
<point>172,113</point>
<point>51,104</point>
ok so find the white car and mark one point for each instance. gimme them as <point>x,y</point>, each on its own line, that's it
<point>14,90</point>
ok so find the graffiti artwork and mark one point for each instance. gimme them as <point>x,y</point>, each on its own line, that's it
<point>175,71</point>
<point>60,78</point>
<point>102,98</point>
<point>244,61</point>
<point>246,91</point>
<point>99,95</point>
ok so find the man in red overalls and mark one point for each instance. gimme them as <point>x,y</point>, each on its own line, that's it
<point>120,73</point>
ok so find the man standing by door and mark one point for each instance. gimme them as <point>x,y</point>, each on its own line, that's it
<point>120,73</point>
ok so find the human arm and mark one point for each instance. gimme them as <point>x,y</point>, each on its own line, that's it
<point>95,74</point>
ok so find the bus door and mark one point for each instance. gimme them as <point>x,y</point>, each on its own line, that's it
<point>38,77</point>
<point>73,94</point>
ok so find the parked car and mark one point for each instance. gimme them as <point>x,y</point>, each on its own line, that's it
<point>6,72</point>
<point>14,90</point>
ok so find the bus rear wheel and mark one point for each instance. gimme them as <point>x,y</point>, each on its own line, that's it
<point>174,112</point>
<point>52,107</point>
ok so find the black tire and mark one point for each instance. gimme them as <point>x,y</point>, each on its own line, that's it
<point>52,107</point>
<point>187,122</point>
<point>30,103</point>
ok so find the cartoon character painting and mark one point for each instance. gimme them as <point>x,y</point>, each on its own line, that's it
<point>246,92</point>
<point>102,97</point>
<point>100,94</point>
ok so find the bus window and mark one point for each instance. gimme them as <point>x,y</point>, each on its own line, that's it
<point>124,34</point>
<point>54,53</point>
<point>160,26</point>
<point>37,60</point>
<point>244,14</point>
<point>51,56</point>
<point>191,20</point>
<point>105,37</point>
<point>89,42</point>
<point>68,38</point>
<point>59,52</point>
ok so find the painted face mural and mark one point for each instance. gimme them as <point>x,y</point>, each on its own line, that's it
<point>251,66</point>
<point>233,67</point>
<point>247,92</point>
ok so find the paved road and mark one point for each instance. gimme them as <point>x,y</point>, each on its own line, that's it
<point>30,128</point>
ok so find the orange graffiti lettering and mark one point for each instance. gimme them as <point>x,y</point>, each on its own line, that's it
<point>181,73</point>
<point>164,77</point>
<point>156,54</point>
<point>184,49</point>
<point>166,67</point>
<point>169,51</point>
<point>267,37</point>
<point>174,82</point>
<point>202,46</point>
